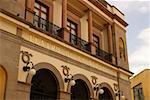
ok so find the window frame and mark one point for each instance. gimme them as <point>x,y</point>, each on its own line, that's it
<point>72,35</point>
<point>40,9</point>
<point>136,89</point>
<point>41,22</point>
<point>98,41</point>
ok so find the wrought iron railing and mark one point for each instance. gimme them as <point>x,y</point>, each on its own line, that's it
<point>103,55</point>
<point>47,26</point>
<point>74,39</point>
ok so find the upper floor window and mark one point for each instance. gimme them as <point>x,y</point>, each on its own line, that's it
<point>41,15</point>
<point>96,41</point>
<point>72,27</point>
<point>138,92</point>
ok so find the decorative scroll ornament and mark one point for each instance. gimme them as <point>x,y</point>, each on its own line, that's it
<point>29,66</point>
<point>94,80</point>
<point>66,70</point>
<point>116,87</point>
<point>25,56</point>
<point>96,86</point>
<point>68,77</point>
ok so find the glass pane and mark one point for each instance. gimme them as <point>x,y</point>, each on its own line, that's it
<point>68,23</point>
<point>36,12</point>
<point>43,21</point>
<point>73,32</point>
<point>73,39</point>
<point>43,9</point>
<point>68,28</point>
<point>36,5</point>
<point>43,15</point>
<point>73,26</point>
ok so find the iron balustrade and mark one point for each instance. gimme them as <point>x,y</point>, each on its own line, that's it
<point>74,39</point>
<point>47,26</point>
<point>103,54</point>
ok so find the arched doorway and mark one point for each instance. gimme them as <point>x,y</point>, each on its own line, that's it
<point>80,91</point>
<point>106,95</point>
<point>2,83</point>
<point>44,86</point>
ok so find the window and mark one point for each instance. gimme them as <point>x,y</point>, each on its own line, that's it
<point>138,92</point>
<point>72,27</point>
<point>41,15</point>
<point>96,41</point>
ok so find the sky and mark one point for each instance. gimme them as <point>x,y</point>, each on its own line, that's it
<point>137,15</point>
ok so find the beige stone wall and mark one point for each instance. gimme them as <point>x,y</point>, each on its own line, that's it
<point>105,37</point>
<point>9,59</point>
<point>121,33</point>
<point>117,12</point>
<point>57,12</point>
<point>142,78</point>
<point>7,25</point>
<point>13,6</point>
<point>84,27</point>
<point>49,50</point>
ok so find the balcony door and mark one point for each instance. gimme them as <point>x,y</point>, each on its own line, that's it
<point>72,27</point>
<point>41,15</point>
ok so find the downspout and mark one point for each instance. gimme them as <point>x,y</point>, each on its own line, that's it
<point>118,78</point>
<point>26,1</point>
<point>114,43</point>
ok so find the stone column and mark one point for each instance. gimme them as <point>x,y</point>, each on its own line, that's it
<point>64,13</point>
<point>64,95</point>
<point>90,31</point>
<point>110,45</point>
<point>29,13</point>
<point>90,24</point>
<point>64,20</point>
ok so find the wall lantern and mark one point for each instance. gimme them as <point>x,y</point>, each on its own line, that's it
<point>97,87</point>
<point>29,67</point>
<point>68,77</point>
<point>118,92</point>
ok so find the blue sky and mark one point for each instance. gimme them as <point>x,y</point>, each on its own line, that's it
<point>137,15</point>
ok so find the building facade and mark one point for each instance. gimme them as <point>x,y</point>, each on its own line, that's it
<point>140,85</point>
<point>63,50</point>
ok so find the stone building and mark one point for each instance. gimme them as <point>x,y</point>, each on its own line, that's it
<point>140,85</point>
<point>63,50</point>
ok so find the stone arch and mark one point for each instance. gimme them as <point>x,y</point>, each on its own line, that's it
<point>3,79</point>
<point>52,69</point>
<point>85,79</point>
<point>106,85</point>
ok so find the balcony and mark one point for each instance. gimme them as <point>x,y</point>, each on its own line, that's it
<point>47,26</point>
<point>77,42</point>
